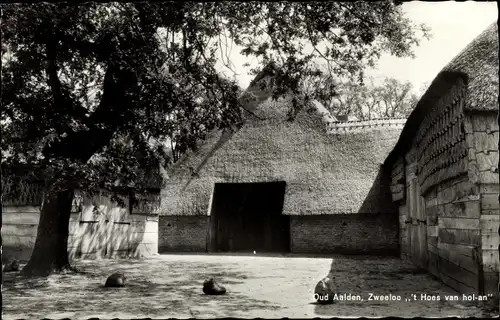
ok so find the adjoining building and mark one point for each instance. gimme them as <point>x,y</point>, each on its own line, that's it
<point>444,172</point>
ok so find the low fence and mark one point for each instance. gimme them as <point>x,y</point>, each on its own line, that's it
<point>98,228</point>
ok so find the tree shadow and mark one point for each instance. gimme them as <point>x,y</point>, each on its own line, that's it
<point>143,294</point>
<point>115,232</point>
<point>379,275</point>
<point>99,228</point>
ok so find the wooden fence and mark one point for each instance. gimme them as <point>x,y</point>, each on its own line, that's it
<point>98,228</point>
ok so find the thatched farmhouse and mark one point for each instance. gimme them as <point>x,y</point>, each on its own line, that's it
<point>444,172</point>
<point>309,185</point>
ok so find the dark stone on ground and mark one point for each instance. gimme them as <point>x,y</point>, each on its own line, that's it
<point>11,265</point>
<point>116,280</point>
<point>211,287</point>
<point>323,292</point>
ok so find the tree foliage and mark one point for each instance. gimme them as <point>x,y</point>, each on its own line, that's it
<point>389,98</point>
<point>88,88</point>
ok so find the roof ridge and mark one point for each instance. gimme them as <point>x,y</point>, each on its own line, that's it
<point>365,125</point>
<point>375,119</point>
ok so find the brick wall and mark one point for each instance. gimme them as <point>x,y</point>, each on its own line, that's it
<point>183,233</point>
<point>350,234</point>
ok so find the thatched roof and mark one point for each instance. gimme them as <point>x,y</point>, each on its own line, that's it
<point>477,66</point>
<point>479,62</point>
<point>329,167</point>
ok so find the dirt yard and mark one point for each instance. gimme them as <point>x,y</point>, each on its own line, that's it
<point>258,286</point>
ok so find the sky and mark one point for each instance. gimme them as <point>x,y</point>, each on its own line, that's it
<point>453,25</point>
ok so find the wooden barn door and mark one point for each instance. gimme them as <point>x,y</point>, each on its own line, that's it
<point>248,216</point>
<point>418,226</point>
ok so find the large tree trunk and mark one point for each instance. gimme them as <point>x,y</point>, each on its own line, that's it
<point>50,253</point>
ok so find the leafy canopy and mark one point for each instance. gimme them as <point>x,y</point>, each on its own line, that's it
<point>91,92</point>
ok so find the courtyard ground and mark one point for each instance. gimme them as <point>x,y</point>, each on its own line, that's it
<point>258,286</point>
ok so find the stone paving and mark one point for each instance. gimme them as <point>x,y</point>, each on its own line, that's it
<point>258,286</point>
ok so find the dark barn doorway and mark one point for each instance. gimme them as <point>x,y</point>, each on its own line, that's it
<point>248,216</point>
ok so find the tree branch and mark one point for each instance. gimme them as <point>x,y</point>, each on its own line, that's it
<point>60,99</point>
<point>53,80</point>
<point>362,20</point>
<point>105,120</point>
